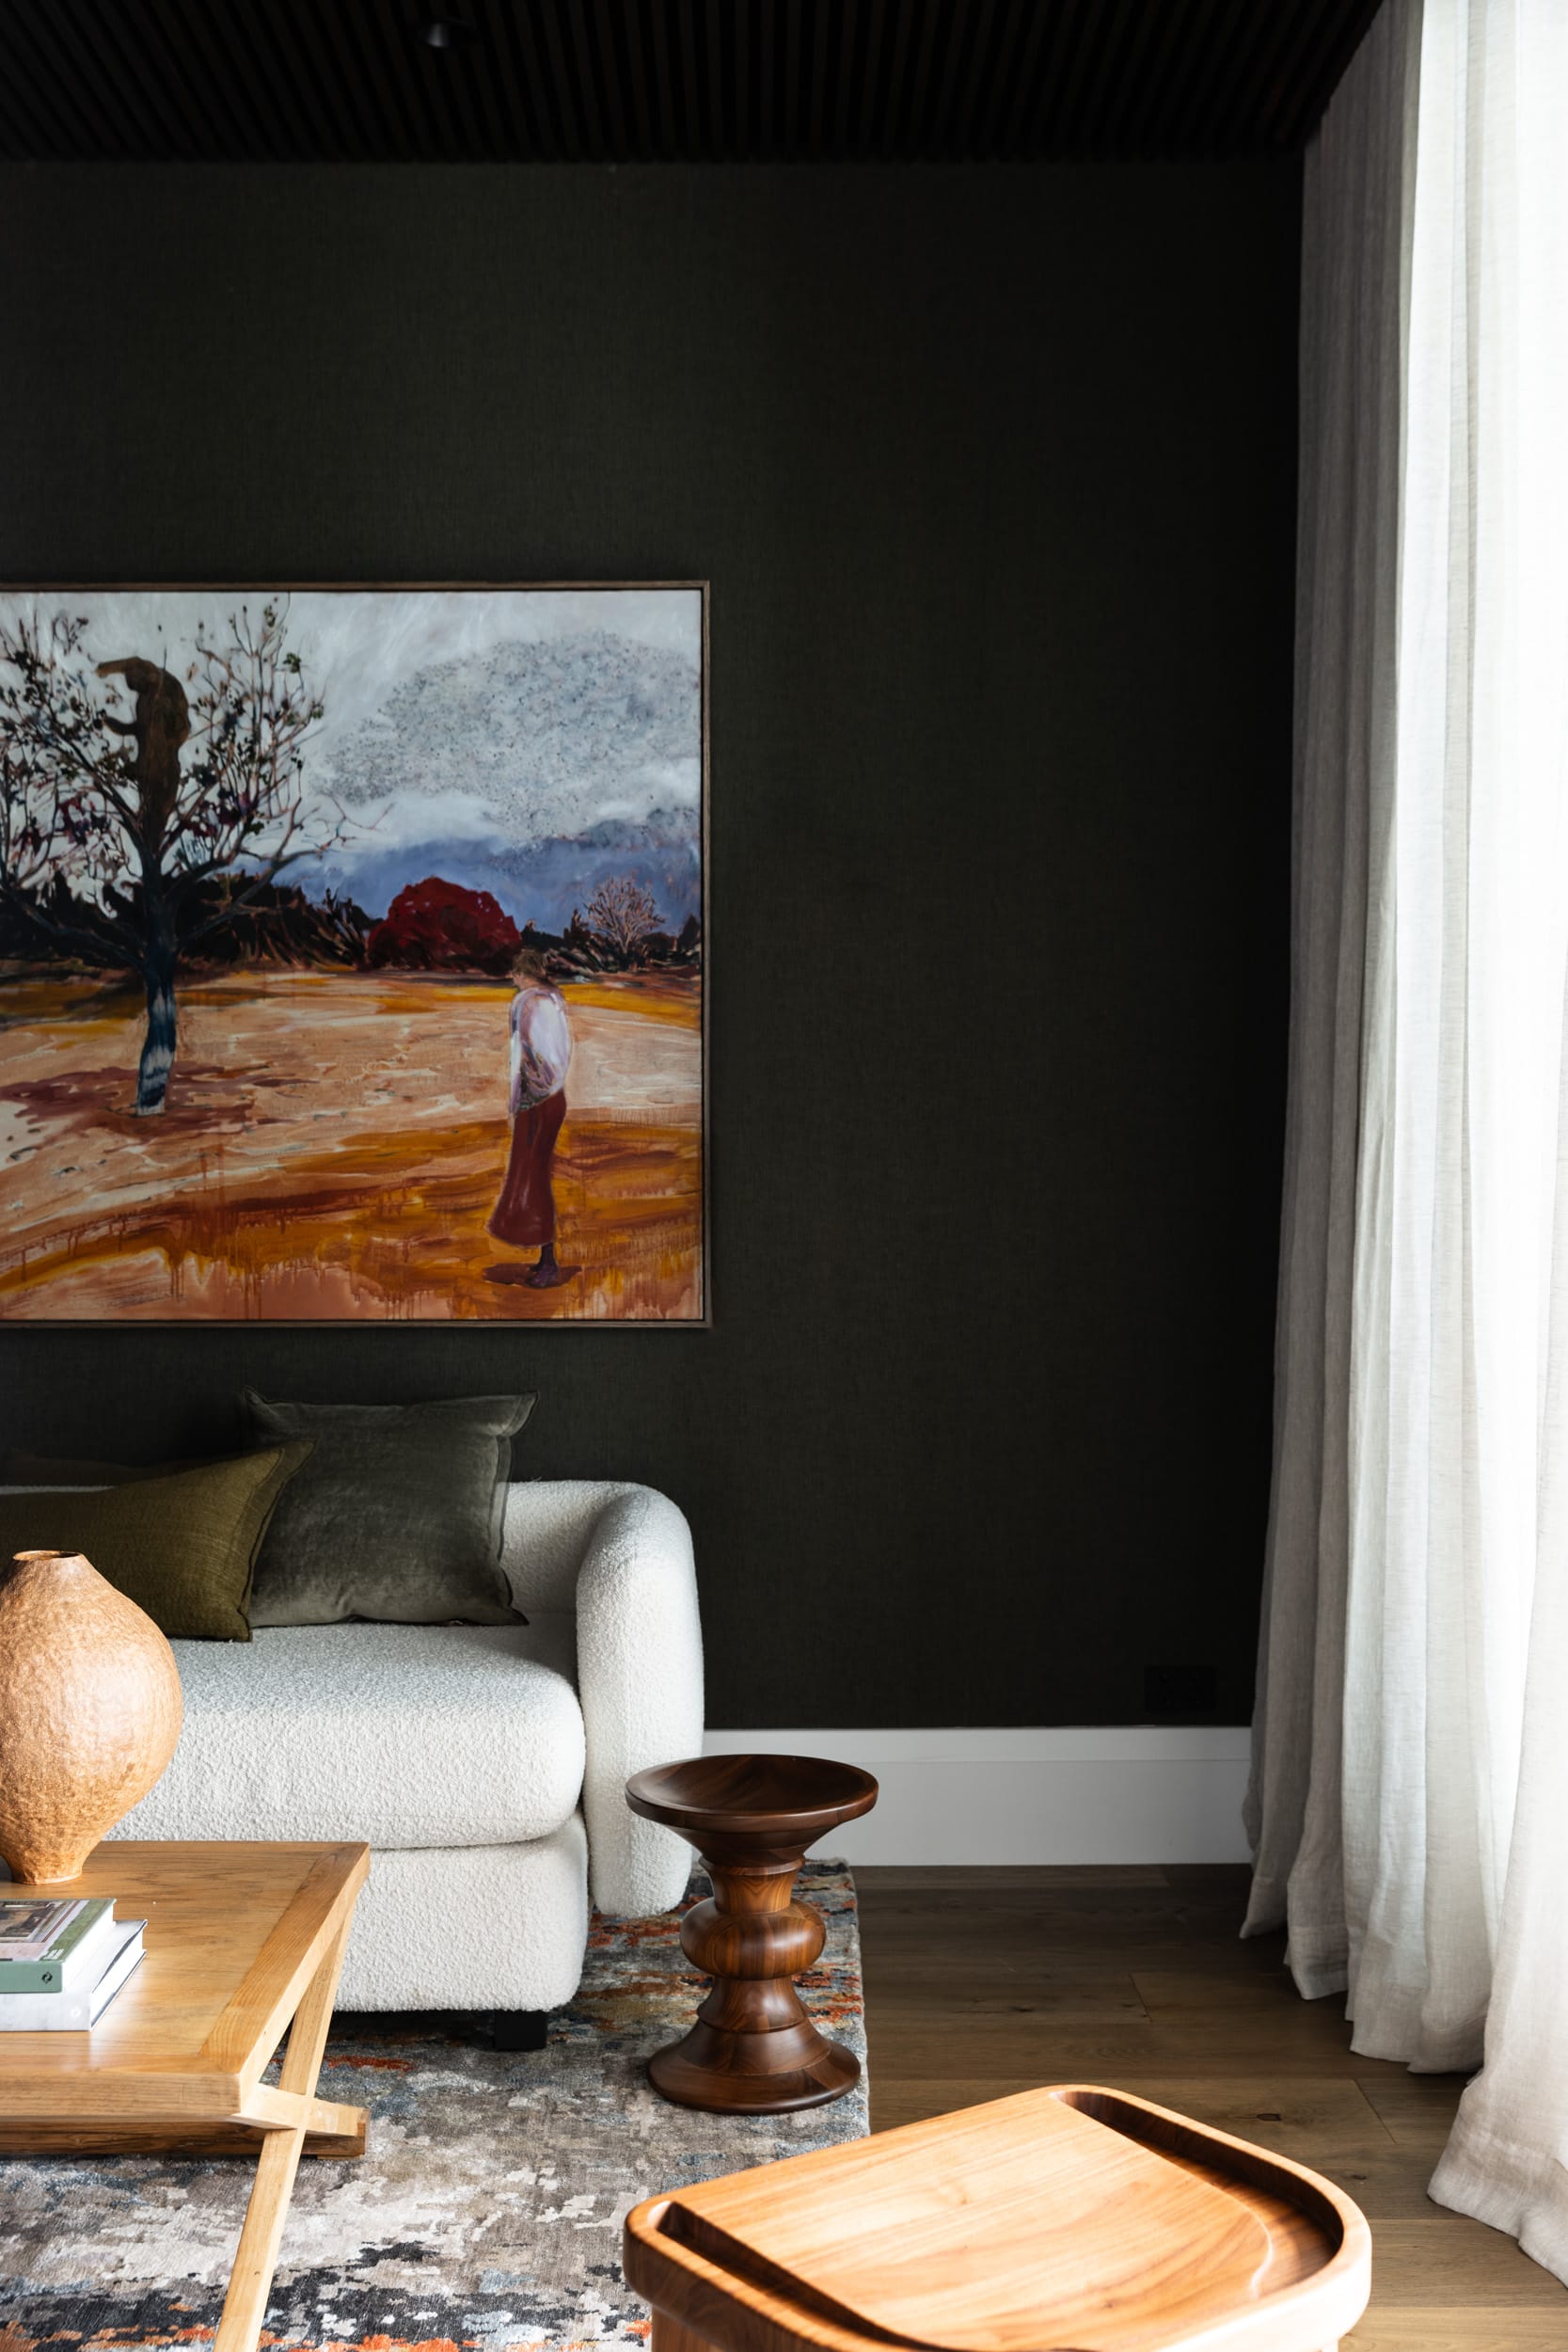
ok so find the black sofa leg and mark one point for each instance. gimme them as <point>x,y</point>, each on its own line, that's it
<point>519,2028</point>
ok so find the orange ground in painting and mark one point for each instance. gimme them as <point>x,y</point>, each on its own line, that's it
<point>332,1147</point>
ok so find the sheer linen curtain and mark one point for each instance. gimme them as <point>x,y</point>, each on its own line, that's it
<point>1409,1806</point>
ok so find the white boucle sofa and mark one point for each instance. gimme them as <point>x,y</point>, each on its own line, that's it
<point>484,1765</point>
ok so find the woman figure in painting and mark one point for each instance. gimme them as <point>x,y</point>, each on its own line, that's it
<point>541,1056</point>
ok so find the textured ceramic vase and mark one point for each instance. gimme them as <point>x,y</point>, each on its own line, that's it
<point>90,1711</point>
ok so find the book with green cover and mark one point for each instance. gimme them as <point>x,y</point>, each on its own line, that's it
<point>71,2012</point>
<point>74,1957</point>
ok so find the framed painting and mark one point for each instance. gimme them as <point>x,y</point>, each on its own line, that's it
<point>352,954</point>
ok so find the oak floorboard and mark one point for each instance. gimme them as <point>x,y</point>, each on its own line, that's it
<point>1106,2000</point>
<point>1417,2110</point>
<point>1477,2328</point>
<point>980,1983</point>
<point>1075,2048</point>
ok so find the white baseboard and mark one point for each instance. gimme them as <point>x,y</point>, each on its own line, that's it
<point>1145,1793</point>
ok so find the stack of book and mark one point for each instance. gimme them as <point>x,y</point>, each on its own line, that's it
<point>61,1963</point>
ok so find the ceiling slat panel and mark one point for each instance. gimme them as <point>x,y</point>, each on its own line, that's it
<point>131,50</point>
<point>1117,63</point>
<point>489,131</point>
<point>296,35</point>
<point>849,71</point>
<point>564,97</point>
<point>821,26</point>
<point>95,108</point>
<point>1040,127</point>
<point>447,80</point>
<point>388,67</point>
<point>408,119</point>
<point>866,96</point>
<point>666,143</point>
<point>1012,128</point>
<point>979,73</point>
<point>1269,91</point>
<point>740,68</point>
<point>765,74</point>
<point>579,46</point>
<point>249,55</point>
<point>349,89</point>
<point>1200,88</point>
<point>1300,114</point>
<point>995,87</point>
<point>700,80</point>
<point>723,136</point>
<point>689,80</point>
<point>917,131</point>
<point>1270,66</point>
<point>637,80</point>
<point>897,76</point>
<point>48,131</point>
<point>513,27</point>
<point>1065,104</point>
<point>1135,93</point>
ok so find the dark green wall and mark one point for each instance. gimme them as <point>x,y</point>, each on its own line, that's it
<point>991,471</point>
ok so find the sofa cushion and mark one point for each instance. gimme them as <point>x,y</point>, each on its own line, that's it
<point>402,1735</point>
<point>183,1546</point>
<point>396,1516</point>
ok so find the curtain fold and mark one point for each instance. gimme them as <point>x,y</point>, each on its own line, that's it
<point>1359,177</point>
<point>1411,1755</point>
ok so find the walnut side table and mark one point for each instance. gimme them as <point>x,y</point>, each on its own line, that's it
<point>242,1942</point>
<point>752,2050</point>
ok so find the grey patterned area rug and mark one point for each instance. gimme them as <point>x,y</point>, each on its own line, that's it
<point>487,2211</point>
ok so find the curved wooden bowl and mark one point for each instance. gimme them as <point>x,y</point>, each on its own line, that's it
<point>1072,2217</point>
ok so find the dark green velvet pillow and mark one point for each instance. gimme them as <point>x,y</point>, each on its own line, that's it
<point>397,1516</point>
<point>183,1545</point>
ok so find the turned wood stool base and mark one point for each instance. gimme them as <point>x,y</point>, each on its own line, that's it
<point>752,2050</point>
<point>743,2074</point>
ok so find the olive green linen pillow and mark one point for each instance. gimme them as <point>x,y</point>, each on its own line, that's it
<point>46,1470</point>
<point>396,1516</point>
<point>181,1545</point>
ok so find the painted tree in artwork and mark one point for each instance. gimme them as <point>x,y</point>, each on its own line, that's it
<point>438,926</point>
<point>625,913</point>
<point>113,827</point>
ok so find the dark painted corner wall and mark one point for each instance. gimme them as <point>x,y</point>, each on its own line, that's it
<point>991,470</point>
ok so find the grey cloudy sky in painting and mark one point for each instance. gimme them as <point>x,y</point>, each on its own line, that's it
<point>527,742</point>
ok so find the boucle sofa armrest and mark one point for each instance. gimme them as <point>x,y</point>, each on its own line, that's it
<point>640,1678</point>
<point>624,1553</point>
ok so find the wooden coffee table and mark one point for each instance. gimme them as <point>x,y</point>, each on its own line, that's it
<point>754,2050</point>
<point>243,1941</point>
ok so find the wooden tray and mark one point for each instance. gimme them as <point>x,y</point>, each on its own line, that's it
<point>1066,2219</point>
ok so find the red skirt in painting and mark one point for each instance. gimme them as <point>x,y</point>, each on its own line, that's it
<point>525,1214</point>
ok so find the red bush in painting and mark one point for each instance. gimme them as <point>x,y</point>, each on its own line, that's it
<point>439,926</point>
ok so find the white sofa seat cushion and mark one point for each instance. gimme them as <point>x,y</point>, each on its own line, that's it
<point>407,1736</point>
<point>471,1927</point>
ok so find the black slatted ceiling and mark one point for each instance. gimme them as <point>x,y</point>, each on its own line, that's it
<point>615,81</point>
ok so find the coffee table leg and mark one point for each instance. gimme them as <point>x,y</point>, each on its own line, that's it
<point>246,2305</point>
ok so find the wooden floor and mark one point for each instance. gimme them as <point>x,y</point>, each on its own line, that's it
<point>982,1982</point>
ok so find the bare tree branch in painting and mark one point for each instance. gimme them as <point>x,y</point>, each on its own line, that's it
<point>625,914</point>
<point>106,839</point>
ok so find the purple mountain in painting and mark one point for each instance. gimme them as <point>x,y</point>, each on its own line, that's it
<point>542,882</point>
